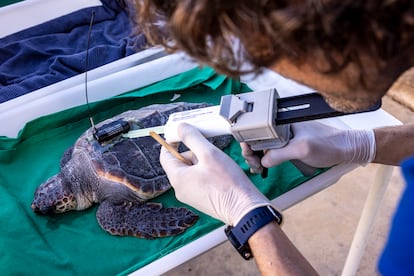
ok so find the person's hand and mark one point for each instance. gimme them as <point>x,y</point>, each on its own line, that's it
<point>318,145</point>
<point>215,184</point>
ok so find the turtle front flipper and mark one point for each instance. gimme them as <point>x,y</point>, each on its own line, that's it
<point>144,220</point>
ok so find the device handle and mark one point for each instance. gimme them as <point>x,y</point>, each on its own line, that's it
<point>265,171</point>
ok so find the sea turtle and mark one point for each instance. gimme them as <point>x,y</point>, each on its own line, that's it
<point>121,175</point>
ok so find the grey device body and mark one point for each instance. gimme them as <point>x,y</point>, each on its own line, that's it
<point>252,118</point>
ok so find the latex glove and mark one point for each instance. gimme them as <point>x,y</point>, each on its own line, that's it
<point>318,145</point>
<point>215,184</point>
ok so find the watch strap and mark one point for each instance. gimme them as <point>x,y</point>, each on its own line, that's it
<point>248,225</point>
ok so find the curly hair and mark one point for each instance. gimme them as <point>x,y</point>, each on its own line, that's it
<point>229,34</point>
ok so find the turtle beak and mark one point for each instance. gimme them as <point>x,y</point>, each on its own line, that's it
<point>52,197</point>
<point>41,211</point>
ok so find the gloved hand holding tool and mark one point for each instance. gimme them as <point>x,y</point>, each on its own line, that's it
<point>318,145</point>
<point>218,187</point>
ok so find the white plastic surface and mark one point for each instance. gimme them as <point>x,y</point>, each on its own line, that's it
<point>207,120</point>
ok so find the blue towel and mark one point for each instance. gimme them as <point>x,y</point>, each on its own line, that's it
<point>55,50</point>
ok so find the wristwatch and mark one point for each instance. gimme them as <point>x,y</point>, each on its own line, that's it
<point>248,225</point>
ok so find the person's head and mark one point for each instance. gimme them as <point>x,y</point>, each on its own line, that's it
<point>350,51</point>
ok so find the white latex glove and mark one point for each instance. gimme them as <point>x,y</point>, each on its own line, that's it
<point>215,184</point>
<point>318,145</point>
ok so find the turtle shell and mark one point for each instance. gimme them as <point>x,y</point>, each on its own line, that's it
<point>121,175</point>
<point>133,162</point>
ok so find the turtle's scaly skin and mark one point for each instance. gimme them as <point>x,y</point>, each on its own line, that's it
<point>121,175</point>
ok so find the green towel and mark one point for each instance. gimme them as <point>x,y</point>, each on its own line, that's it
<point>8,2</point>
<point>73,243</point>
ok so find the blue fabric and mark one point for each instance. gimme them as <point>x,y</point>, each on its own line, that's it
<point>55,50</point>
<point>397,258</point>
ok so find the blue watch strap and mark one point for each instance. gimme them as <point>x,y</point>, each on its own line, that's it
<point>248,225</point>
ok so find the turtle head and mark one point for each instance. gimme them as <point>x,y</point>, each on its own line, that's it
<point>53,197</point>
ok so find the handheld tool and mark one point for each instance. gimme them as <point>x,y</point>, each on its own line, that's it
<point>261,119</point>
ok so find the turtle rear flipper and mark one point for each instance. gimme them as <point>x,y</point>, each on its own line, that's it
<point>148,220</point>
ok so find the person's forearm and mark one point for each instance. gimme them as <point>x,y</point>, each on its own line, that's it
<point>276,255</point>
<point>394,144</point>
